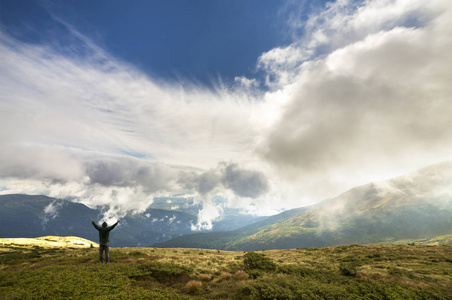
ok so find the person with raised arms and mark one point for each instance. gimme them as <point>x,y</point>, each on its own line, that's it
<point>104,239</point>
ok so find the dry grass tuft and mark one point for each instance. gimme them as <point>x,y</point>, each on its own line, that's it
<point>193,286</point>
<point>226,276</point>
<point>204,277</point>
<point>361,274</point>
<point>241,275</point>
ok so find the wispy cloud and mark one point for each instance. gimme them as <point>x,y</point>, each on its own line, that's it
<point>50,212</point>
<point>105,126</point>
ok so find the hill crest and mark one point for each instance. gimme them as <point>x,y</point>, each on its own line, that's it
<point>50,242</point>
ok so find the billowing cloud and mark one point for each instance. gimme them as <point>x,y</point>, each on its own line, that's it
<point>373,106</point>
<point>242,182</point>
<point>204,182</point>
<point>152,177</point>
<point>245,183</point>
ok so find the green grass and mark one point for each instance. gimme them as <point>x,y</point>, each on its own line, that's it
<point>443,240</point>
<point>344,272</point>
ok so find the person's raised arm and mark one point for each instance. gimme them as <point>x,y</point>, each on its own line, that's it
<point>95,225</point>
<point>113,226</point>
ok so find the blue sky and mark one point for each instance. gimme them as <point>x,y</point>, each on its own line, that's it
<point>269,105</point>
<point>198,40</point>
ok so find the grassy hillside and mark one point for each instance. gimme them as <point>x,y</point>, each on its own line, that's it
<point>442,240</point>
<point>344,272</point>
<point>224,239</point>
<point>49,242</point>
<point>410,207</point>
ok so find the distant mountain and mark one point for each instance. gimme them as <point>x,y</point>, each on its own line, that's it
<point>417,206</point>
<point>224,239</point>
<point>414,206</point>
<point>35,216</point>
<point>231,218</point>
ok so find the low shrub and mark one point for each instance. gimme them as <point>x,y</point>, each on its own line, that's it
<point>167,272</point>
<point>265,290</point>
<point>136,253</point>
<point>256,261</point>
<point>347,269</point>
<point>295,270</point>
<point>254,273</point>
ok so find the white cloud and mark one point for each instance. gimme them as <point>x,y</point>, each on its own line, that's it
<point>73,123</point>
<point>375,107</point>
<point>246,82</point>
<point>110,107</point>
<point>171,220</point>
<point>206,215</point>
<point>50,212</point>
<point>281,64</point>
<point>242,182</point>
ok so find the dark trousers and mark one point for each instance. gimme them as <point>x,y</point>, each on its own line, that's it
<point>102,248</point>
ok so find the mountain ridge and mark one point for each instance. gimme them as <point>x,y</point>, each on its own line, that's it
<point>414,206</point>
<point>30,216</point>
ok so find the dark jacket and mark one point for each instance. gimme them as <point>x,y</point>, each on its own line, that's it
<point>104,232</point>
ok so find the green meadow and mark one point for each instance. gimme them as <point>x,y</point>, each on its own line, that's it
<point>343,272</point>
